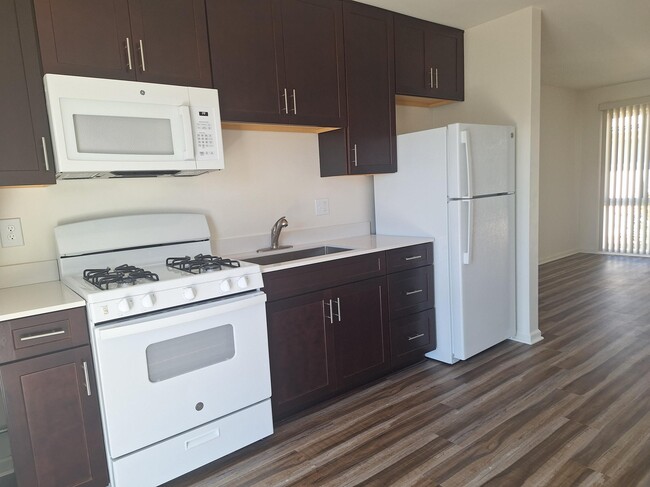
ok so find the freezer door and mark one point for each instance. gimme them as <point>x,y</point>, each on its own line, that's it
<point>480,160</point>
<point>482,273</point>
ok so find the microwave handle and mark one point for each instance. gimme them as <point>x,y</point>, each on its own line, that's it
<point>188,133</point>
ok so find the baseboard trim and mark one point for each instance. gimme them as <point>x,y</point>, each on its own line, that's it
<point>528,339</point>
<point>559,256</point>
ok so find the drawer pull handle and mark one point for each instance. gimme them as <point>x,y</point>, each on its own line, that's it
<point>415,291</point>
<point>46,334</point>
<point>416,337</point>
<point>338,307</point>
<point>84,365</point>
<point>331,315</point>
<point>415,257</point>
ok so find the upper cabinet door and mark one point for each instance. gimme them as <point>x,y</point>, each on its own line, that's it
<point>309,36</point>
<point>244,66</point>
<point>428,59</point>
<point>369,70</point>
<point>86,38</point>
<point>170,42</point>
<point>25,152</point>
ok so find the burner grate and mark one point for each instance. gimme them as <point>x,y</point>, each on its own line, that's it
<point>123,275</point>
<point>200,263</point>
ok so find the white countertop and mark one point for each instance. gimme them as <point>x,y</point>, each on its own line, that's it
<point>364,244</point>
<point>35,299</point>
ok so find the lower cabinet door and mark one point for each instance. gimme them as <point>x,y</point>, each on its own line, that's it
<point>54,422</point>
<point>300,352</point>
<point>361,331</point>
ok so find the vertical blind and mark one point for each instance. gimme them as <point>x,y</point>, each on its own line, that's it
<point>626,228</point>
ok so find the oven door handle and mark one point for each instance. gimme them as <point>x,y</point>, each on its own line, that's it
<point>137,326</point>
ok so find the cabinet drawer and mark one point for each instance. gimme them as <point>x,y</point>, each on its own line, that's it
<point>409,257</point>
<point>45,333</point>
<point>412,336</point>
<point>410,291</point>
<point>314,277</point>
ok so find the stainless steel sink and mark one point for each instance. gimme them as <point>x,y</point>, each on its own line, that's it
<point>295,255</point>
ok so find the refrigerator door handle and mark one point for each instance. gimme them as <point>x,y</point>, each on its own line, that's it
<point>467,254</point>
<point>465,140</point>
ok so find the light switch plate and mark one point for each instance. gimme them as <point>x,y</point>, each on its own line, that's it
<point>322,206</point>
<point>11,232</point>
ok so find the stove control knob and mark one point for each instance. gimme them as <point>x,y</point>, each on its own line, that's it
<point>189,293</point>
<point>148,300</point>
<point>124,305</point>
<point>242,283</point>
<point>225,285</point>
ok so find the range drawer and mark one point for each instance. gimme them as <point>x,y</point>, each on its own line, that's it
<point>410,291</point>
<point>412,336</point>
<point>45,333</point>
<point>409,257</point>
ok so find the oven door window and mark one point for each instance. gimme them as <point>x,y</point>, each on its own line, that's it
<point>187,353</point>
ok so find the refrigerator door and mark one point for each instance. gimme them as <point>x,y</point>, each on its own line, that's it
<point>480,160</point>
<point>482,273</point>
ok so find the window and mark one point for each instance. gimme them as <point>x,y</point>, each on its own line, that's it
<point>626,181</point>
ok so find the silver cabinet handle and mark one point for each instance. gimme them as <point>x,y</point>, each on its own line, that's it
<point>286,102</point>
<point>128,54</point>
<point>47,160</point>
<point>84,365</point>
<point>295,107</point>
<point>416,337</point>
<point>142,56</point>
<point>416,291</point>
<point>436,78</point>
<point>331,315</point>
<point>49,333</point>
<point>414,257</point>
<point>430,77</point>
<point>338,307</point>
<point>354,151</point>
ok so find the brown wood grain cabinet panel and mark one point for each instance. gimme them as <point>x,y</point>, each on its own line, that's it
<point>301,353</point>
<point>303,279</point>
<point>367,145</point>
<point>428,59</point>
<point>411,336</point>
<point>54,425</point>
<point>85,37</point>
<point>174,37</point>
<point>244,60</point>
<point>409,257</point>
<point>410,291</point>
<point>362,350</point>
<point>24,130</point>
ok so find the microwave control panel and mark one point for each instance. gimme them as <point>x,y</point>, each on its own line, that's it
<point>205,134</point>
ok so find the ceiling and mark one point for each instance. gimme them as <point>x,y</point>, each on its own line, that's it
<point>585,43</point>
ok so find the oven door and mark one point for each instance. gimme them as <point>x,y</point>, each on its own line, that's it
<point>164,374</point>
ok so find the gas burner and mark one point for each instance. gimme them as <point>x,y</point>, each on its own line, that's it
<point>200,263</point>
<point>124,275</point>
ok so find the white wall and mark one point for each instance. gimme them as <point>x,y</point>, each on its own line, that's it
<point>590,169</point>
<point>267,175</point>
<point>502,86</point>
<point>559,181</point>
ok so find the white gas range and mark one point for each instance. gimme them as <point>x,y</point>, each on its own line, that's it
<point>179,341</point>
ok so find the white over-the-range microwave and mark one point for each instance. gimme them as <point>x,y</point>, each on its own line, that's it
<point>113,129</point>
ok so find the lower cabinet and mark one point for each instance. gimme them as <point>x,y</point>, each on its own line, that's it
<point>52,411</point>
<point>337,325</point>
<point>325,342</point>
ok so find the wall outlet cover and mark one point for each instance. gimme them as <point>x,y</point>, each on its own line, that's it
<point>11,232</point>
<point>322,206</point>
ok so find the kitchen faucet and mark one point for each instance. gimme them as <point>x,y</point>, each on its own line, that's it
<point>275,235</point>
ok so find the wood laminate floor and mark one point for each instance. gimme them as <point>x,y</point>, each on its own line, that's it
<point>571,410</point>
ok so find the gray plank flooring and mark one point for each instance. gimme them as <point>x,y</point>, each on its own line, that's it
<point>572,410</point>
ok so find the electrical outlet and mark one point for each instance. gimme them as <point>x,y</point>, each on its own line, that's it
<point>322,206</point>
<point>11,233</point>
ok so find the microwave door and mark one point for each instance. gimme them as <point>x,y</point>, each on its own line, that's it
<point>112,136</point>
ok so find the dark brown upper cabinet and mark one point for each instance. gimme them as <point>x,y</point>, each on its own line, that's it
<point>428,59</point>
<point>163,41</point>
<point>278,61</point>
<point>367,146</point>
<point>25,152</point>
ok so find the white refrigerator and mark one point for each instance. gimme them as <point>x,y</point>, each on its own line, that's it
<point>457,185</point>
